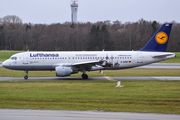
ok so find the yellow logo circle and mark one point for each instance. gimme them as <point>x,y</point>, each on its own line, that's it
<point>161,37</point>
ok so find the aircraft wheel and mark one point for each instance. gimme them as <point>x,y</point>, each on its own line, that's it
<point>85,76</point>
<point>26,77</point>
<point>82,75</point>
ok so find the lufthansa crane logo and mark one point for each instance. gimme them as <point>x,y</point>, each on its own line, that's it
<point>161,37</point>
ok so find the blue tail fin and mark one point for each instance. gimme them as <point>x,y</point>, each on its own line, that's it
<point>158,43</point>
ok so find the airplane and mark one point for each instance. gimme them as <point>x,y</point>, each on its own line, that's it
<point>67,63</point>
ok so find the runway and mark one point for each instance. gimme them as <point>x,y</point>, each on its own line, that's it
<point>90,78</point>
<point>18,114</point>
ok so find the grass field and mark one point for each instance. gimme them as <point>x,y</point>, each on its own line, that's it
<point>4,55</point>
<point>134,96</point>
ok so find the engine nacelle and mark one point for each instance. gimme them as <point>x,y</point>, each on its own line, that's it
<point>63,71</point>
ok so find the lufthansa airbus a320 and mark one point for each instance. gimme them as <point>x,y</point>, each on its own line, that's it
<point>67,63</point>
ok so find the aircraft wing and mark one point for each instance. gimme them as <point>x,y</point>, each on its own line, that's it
<point>89,63</point>
<point>80,65</point>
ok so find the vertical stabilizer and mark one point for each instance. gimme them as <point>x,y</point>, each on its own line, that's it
<point>159,42</point>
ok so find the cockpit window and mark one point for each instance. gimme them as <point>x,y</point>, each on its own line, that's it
<point>13,58</point>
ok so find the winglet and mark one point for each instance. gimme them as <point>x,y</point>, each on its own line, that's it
<point>158,43</point>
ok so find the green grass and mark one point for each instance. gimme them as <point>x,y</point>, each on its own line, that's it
<point>134,72</point>
<point>4,55</point>
<point>135,96</point>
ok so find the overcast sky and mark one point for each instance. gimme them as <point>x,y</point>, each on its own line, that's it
<point>58,11</point>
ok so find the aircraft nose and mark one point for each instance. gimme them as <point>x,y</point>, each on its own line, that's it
<point>4,64</point>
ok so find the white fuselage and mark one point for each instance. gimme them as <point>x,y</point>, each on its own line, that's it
<point>110,60</point>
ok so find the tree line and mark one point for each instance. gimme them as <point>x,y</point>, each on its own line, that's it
<point>107,35</point>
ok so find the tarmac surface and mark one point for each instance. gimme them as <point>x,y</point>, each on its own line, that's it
<point>20,114</point>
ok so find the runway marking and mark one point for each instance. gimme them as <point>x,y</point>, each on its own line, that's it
<point>78,118</point>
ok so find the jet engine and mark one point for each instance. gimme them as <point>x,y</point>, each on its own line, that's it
<point>63,71</point>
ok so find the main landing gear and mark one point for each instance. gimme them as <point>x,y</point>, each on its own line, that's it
<point>84,75</point>
<point>26,76</point>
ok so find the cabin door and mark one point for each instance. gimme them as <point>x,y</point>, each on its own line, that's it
<point>25,58</point>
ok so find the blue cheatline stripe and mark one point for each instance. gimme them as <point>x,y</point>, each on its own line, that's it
<point>72,17</point>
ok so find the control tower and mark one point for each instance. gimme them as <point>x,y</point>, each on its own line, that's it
<point>74,9</point>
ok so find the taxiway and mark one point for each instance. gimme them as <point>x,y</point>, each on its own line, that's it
<point>18,114</point>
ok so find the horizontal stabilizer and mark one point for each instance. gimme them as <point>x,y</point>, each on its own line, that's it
<point>162,55</point>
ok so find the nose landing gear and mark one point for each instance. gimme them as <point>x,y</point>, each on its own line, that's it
<point>26,76</point>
